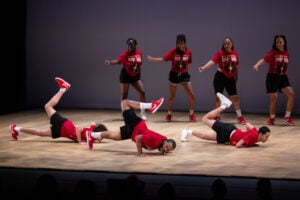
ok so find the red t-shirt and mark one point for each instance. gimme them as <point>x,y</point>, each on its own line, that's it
<point>179,61</point>
<point>278,62</point>
<point>227,61</point>
<point>250,137</point>
<point>68,130</point>
<point>150,140</point>
<point>132,61</point>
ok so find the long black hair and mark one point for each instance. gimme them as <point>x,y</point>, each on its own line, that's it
<point>274,42</point>
<point>180,38</point>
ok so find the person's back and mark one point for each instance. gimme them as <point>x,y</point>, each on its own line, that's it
<point>264,189</point>
<point>46,188</point>
<point>166,192</point>
<point>85,189</point>
<point>219,189</point>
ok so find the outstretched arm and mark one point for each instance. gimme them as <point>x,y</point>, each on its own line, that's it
<point>153,59</point>
<point>111,62</point>
<point>206,66</point>
<point>258,64</point>
<point>249,126</point>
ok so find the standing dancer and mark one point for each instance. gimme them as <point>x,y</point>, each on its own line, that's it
<point>277,80</point>
<point>180,57</point>
<point>131,72</point>
<point>226,75</point>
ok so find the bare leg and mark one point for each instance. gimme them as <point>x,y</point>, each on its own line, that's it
<point>49,106</point>
<point>129,104</point>
<point>209,118</point>
<point>189,91</point>
<point>218,102</point>
<point>235,102</point>
<point>138,86</point>
<point>289,92</point>
<point>205,135</point>
<point>37,132</point>
<point>172,90</point>
<point>124,90</point>
<point>113,135</point>
<point>273,103</point>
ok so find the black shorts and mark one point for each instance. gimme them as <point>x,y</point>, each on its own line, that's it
<point>179,78</point>
<point>223,131</point>
<point>56,121</point>
<point>126,78</point>
<point>222,82</point>
<point>275,82</point>
<point>131,120</point>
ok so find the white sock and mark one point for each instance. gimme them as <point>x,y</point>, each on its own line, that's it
<point>238,113</point>
<point>96,134</point>
<point>272,116</point>
<point>189,131</point>
<point>144,106</point>
<point>191,112</point>
<point>169,112</point>
<point>287,114</point>
<point>143,111</point>
<point>62,90</point>
<point>223,106</point>
<point>18,128</point>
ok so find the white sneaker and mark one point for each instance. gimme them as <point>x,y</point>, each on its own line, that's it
<point>143,116</point>
<point>224,100</point>
<point>185,133</point>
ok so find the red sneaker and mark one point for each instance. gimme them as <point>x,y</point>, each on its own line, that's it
<point>14,134</point>
<point>92,126</point>
<point>241,120</point>
<point>89,139</point>
<point>271,121</point>
<point>156,104</point>
<point>193,118</point>
<point>168,118</point>
<point>288,121</point>
<point>62,83</point>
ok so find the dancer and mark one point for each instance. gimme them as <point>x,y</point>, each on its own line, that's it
<point>180,57</point>
<point>277,80</point>
<point>226,133</point>
<point>226,75</point>
<point>136,129</point>
<point>60,126</point>
<point>131,72</point>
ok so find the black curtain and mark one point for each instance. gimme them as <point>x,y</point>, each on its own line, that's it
<point>13,75</point>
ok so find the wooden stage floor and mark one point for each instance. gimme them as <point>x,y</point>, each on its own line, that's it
<point>278,159</point>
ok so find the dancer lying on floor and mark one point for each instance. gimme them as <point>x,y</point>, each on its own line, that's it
<point>226,133</point>
<point>60,126</point>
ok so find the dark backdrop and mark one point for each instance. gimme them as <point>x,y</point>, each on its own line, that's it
<point>13,78</point>
<point>72,38</point>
